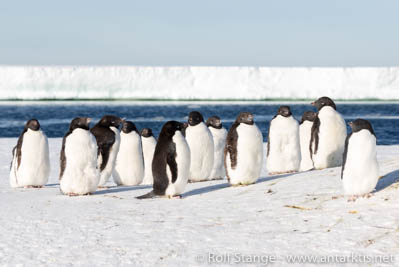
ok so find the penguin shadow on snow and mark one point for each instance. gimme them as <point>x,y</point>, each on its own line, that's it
<point>52,185</point>
<point>117,189</point>
<point>215,187</point>
<point>387,180</point>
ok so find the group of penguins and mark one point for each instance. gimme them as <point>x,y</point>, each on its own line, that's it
<point>198,151</point>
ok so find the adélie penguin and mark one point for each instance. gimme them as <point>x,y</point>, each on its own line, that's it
<point>129,164</point>
<point>283,146</point>
<point>107,135</point>
<point>148,142</point>
<point>171,163</point>
<point>219,134</point>
<point>328,135</point>
<point>360,170</point>
<point>305,131</point>
<point>200,141</point>
<point>79,174</point>
<point>30,166</point>
<point>243,153</point>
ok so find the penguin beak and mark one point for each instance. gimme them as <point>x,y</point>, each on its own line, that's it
<point>313,103</point>
<point>88,120</point>
<point>350,123</point>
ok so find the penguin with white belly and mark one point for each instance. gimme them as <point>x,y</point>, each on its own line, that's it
<point>219,134</point>
<point>200,141</point>
<point>129,164</point>
<point>171,163</point>
<point>79,174</point>
<point>243,152</point>
<point>283,146</point>
<point>107,135</point>
<point>148,143</point>
<point>305,130</point>
<point>30,166</point>
<point>360,170</point>
<point>328,135</point>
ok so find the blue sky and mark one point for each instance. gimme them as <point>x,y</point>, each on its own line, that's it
<point>206,32</point>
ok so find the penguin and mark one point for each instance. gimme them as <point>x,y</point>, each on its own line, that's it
<point>185,125</point>
<point>30,166</point>
<point>129,165</point>
<point>283,146</point>
<point>200,141</point>
<point>79,174</point>
<point>360,170</point>
<point>243,152</point>
<point>328,135</point>
<point>219,134</point>
<point>305,129</point>
<point>107,135</point>
<point>171,163</point>
<point>148,143</point>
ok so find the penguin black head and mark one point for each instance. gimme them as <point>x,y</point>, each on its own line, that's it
<point>169,128</point>
<point>128,127</point>
<point>360,124</point>
<point>195,118</point>
<point>214,122</point>
<point>245,117</point>
<point>146,132</point>
<point>32,124</point>
<point>308,116</point>
<point>79,122</point>
<point>323,102</point>
<point>110,121</point>
<point>284,111</point>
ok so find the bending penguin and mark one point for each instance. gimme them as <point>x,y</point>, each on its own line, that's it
<point>219,135</point>
<point>360,169</point>
<point>171,163</point>
<point>200,141</point>
<point>148,143</point>
<point>129,164</point>
<point>328,135</point>
<point>283,146</point>
<point>107,135</point>
<point>305,131</point>
<point>243,153</point>
<point>30,166</point>
<point>79,174</point>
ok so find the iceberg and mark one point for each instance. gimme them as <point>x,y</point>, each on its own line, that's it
<point>197,83</point>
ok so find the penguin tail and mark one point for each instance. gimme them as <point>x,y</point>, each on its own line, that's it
<point>148,195</point>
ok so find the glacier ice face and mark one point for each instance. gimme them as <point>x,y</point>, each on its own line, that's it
<point>235,83</point>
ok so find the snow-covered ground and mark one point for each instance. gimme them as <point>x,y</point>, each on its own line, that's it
<point>294,214</point>
<point>233,83</point>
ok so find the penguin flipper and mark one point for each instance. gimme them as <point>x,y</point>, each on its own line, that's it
<point>148,195</point>
<point>345,155</point>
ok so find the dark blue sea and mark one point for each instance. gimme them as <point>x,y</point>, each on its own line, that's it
<point>55,116</point>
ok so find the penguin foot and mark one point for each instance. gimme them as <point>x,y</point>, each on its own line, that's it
<point>369,195</point>
<point>239,185</point>
<point>103,187</point>
<point>28,186</point>
<point>72,194</point>
<point>352,198</point>
<point>175,197</point>
<point>279,173</point>
<point>37,186</point>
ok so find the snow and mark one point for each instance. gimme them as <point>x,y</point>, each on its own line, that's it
<point>294,214</point>
<point>184,83</point>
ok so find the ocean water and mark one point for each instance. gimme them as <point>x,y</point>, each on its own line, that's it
<point>56,116</point>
